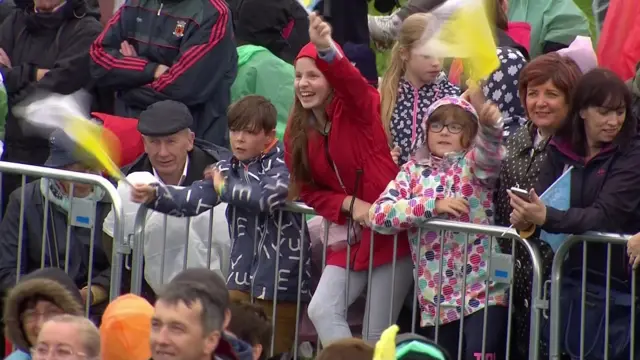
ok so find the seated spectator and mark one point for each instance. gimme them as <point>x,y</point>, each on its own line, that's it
<point>216,287</point>
<point>126,325</point>
<point>192,60</point>
<point>251,324</point>
<point>281,26</point>
<point>254,182</point>
<point>38,297</point>
<point>174,157</point>
<point>347,349</point>
<point>47,201</point>
<point>193,308</point>
<point>69,337</point>
<point>44,46</point>
<point>262,73</point>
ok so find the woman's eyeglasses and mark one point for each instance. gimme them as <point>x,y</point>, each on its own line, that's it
<point>438,126</point>
<point>60,352</point>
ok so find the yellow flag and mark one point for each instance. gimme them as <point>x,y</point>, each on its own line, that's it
<point>463,30</point>
<point>101,144</point>
<point>386,346</point>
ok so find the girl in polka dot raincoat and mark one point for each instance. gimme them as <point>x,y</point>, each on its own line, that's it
<point>452,176</point>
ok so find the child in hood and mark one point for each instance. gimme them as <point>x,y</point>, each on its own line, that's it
<point>452,176</point>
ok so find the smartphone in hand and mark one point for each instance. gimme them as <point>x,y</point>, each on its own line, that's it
<point>522,194</point>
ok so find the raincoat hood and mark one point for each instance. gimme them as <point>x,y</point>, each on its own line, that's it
<point>246,52</point>
<point>49,283</point>
<point>125,322</point>
<point>423,153</point>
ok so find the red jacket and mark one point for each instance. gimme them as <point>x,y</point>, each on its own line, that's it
<point>357,143</point>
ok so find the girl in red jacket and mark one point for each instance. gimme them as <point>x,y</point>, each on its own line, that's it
<point>339,160</point>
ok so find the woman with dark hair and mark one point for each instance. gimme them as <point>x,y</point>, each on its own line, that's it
<point>545,88</point>
<point>598,140</point>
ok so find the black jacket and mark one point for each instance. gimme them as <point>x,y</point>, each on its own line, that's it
<point>282,26</point>
<point>605,196</point>
<point>193,37</point>
<point>58,42</point>
<point>80,240</point>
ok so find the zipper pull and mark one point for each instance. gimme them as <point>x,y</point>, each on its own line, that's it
<point>160,9</point>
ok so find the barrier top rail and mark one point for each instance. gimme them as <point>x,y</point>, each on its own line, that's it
<point>118,231</point>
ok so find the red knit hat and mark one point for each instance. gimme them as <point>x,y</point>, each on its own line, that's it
<point>310,51</point>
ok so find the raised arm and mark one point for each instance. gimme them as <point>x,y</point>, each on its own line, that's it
<point>485,158</point>
<point>360,98</point>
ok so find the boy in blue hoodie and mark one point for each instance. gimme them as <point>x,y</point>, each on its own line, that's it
<point>254,183</point>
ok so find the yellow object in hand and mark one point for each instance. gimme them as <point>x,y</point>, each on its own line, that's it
<point>386,346</point>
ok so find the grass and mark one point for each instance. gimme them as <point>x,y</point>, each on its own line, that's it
<point>383,56</point>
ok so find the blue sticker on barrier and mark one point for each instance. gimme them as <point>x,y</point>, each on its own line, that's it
<point>501,274</point>
<point>82,220</point>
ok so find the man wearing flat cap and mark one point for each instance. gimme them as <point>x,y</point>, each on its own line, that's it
<point>172,155</point>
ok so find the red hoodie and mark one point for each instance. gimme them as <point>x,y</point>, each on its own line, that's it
<point>358,146</point>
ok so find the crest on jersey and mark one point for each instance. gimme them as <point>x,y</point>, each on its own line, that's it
<point>179,30</point>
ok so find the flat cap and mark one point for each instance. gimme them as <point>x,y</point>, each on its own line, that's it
<point>164,118</point>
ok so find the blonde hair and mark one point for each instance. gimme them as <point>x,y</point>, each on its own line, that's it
<point>88,330</point>
<point>411,33</point>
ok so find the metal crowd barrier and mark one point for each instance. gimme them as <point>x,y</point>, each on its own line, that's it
<point>73,177</point>
<point>493,232</point>
<point>558,335</point>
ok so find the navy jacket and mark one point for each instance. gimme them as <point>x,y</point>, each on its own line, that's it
<point>605,196</point>
<point>30,256</point>
<point>193,37</point>
<point>255,192</point>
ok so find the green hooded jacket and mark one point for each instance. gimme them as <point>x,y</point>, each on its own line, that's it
<point>557,21</point>
<point>262,73</point>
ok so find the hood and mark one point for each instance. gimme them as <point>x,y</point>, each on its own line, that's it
<point>126,320</point>
<point>506,39</point>
<point>520,33</point>
<point>246,52</point>
<point>51,283</point>
<point>215,151</point>
<point>423,154</point>
<point>225,350</point>
<point>273,151</point>
<point>243,350</point>
<point>72,9</point>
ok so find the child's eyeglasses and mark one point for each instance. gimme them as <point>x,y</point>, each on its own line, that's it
<point>453,128</point>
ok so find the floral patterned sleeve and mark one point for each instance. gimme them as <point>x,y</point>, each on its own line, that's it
<point>396,210</point>
<point>486,156</point>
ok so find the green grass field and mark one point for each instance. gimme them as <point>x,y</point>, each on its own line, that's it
<point>381,57</point>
